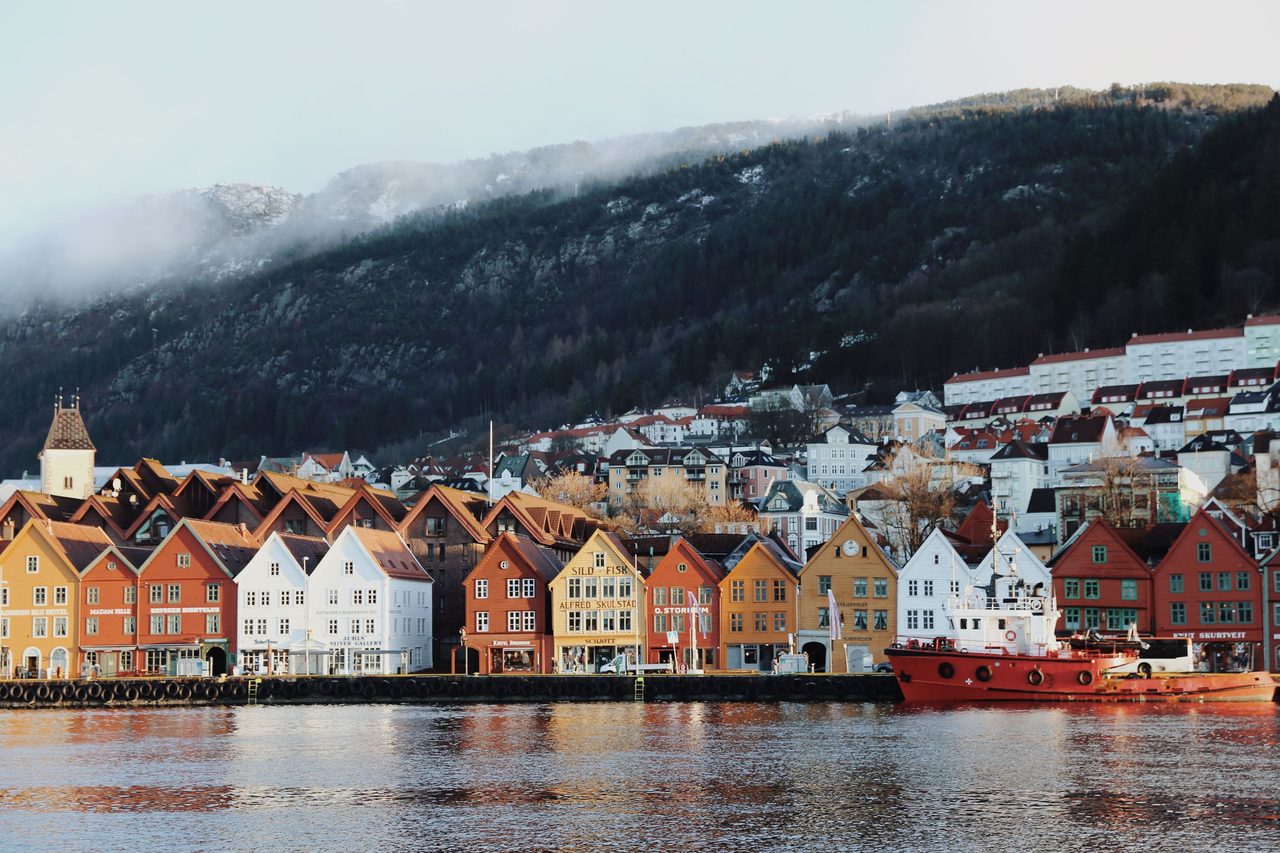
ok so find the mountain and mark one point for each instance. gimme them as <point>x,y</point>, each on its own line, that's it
<point>969,234</point>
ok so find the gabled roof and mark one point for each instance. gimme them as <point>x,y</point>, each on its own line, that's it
<point>979,375</point>
<point>67,431</point>
<point>113,512</point>
<point>80,543</point>
<point>390,552</point>
<point>541,560</point>
<point>308,505</point>
<point>1084,355</point>
<point>312,548</point>
<point>1041,500</point>
<point>1019,449</point>
<point>131,557</point>
<point>1079,430</point>
<point>230,545</point>
<point>159,503</point>
<point>42,506</point>
<point>1095,527</point>
<point>467,507</point>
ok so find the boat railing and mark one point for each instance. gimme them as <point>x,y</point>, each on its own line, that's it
<point>1030,604</point>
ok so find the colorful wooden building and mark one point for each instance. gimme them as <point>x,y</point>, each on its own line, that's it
<point>40,597</point>
<point>865,583</point>
<point>683,595</point>
<point>1210,589</point>
<point>596,602</point>
<point>109,588</point>
<point>508,601</point>
<point>758,606</point>
<point>1101,582</point>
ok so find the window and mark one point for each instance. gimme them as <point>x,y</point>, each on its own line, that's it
<point>333,596</point>
<point>130,595</point>
<point>298,597</point>
<point>737,591</point>
<point>275,570</point>
<point>1206,613</point>
<point>609,621</point>
<point>590,588</point>
<point>91,626</point>
<point>1071,588</point>
<point>575,620</point>
<point>482,588</point>
<point>735,622</point>
<point>355,626</point>
<point>1175,583</point>
<point>251,598</point>
<point>175,623</point>
<point>913,589</point>
<point>659,623</point>
<point>40,596</point>
<point>882,587</point>
<point>1091,588</point>
<point>860,619</point>
<point>1224,581</point>
<point>40,627</point>
<point>513,620</point>
<point>284,627</point>
<point>530,620</point>
<point>1099,553</point>
<point>357,596</point>
<point>157,624</point>
<point>175,593</point>
<point>482,621</point>
<point>348,568</point>
<point>184,561</point>
<point>591,620</point>
<point>1244,612</point>
<point>824,584</point>
<point>1129,590</point>
<point>1226,612</point>
<point>130,626</point>
<point>1118,618</point>
<point>436,526</point>
<point>575,588</point>
<point>369,626</point>
<point>91,595</point>
<point>513,587</point>
<point>779,590</point>
<point>926,618</point>
<point>33,565</point>
<point>780,622</point>
<point>824,617</point>
<point>1242,580</point>
<point>1206,582</point>
<point>527,588</point>
<point>212,593</point>
<point>1092,617</point>
<point>677,596</point>
<point>761,590</point>
<point>599,559</point>
<point>213,623</point>
<point>333,627</point>
<point>928,588</point>
<point>1204,552</point>
<point>913,620</point>
<point>860,588</point>
<point>1071,618</point>
<point>704,595</point>
<point>761,621</point>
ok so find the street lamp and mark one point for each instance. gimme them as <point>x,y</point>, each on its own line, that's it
<point>466,663</point>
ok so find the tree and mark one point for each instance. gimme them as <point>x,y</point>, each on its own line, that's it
<point>574,489</point>
<point>776,420</point>
<point>729,518</point>
<point>920,492</point>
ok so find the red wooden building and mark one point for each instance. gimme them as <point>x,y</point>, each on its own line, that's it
<point>109,588</point>
<point>1101,582</point>
<point>508,607</point>
<point>1209,588</point>
<point>187,597</point>
<point>683,571</point>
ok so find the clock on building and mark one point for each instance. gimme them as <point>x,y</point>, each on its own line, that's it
<point>850,548</point>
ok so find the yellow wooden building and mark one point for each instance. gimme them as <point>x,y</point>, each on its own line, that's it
<point>757,608</point>
<point>40,594</point>
<point>865,582</point>
<point>595,605</point>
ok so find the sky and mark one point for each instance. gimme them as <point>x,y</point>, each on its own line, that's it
<point>100,101</point>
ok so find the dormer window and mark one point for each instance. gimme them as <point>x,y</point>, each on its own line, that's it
<point>184,561</point>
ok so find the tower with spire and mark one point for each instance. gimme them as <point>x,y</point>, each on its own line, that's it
<point>66,460</point>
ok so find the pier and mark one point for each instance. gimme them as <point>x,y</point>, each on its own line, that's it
<point>299,690</point>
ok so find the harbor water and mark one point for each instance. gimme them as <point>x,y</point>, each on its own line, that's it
<point>636,776</point>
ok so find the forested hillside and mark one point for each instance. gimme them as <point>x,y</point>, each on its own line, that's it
<point>971,234</point>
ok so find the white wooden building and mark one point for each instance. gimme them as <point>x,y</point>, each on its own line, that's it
<point>273,628</point>
<point>370,604</point>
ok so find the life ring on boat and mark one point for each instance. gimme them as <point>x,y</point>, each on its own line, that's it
<point>946,670</point>
<point>1010,635</point>
<point>1035,677</point>
<point>1144,669</point>
<point>983,673</point>
<point>1085,677</point>
<point>896,646</point>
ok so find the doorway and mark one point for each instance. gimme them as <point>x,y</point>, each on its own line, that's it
<point>216,660</point>
<point>817,653</point>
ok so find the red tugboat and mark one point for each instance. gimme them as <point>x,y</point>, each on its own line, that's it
<point>1002,647</point>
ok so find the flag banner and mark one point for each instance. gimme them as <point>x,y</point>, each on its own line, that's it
<point>696,610</point>
<point>833,609</point>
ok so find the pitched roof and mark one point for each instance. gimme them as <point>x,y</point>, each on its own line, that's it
<point>1019,449</point>
<point>541,560</point>
<point>312,548</point>
<point>989,374</point>
<point>1188,335</point>
<point>391,553</point>
<point>231,544</point>
<point>68,432</point>
<point>80,543</point>
<point>1079,430</point>
<point>1057,358</point>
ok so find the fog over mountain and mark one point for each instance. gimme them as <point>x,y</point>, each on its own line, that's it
<point>210,235</point>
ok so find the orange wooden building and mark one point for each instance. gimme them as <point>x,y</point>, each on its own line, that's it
<point>683,571</point>
<point>758,607</point>
<point>109,612</point>
<point>509,607</point>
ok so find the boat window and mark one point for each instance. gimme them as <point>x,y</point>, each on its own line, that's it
<point>1000,624</point>
<point>964,623</point>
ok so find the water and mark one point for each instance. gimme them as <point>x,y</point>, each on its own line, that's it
<point>628,776</point>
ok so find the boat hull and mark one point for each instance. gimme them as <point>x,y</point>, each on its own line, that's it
<point>926,675</point>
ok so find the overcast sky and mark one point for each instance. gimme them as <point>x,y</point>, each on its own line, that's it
<point>101,100</point>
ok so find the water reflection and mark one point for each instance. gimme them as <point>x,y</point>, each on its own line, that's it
<point>632,775</point>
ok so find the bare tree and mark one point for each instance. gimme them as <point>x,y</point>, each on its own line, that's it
<point>920,492</point>
<point>574,489</point>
